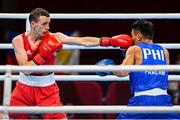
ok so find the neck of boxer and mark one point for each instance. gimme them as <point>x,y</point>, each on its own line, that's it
<point>147,41</point>
<point>33,35</point>
<point>33,40</point>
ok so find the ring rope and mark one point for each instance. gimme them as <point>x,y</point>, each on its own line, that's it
<point>89,78</point>
<point>97,15</point>
<point>4,109</point>
<point>91,109</point>
<point>94,16</point>
<point>89,68</point>
<point>165,45</point>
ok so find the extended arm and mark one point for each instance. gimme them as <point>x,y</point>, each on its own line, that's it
<point>84,41</point>
<point>122,40</point>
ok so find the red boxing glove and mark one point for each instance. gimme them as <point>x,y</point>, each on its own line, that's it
<point>47,47</point>
<point>122,40</point>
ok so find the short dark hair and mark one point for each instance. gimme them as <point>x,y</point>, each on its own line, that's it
<point>146,27</point>
<point>36,13</point>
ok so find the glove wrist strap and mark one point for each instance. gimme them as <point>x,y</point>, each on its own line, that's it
<point>38,59</point>
<point>105,41</point>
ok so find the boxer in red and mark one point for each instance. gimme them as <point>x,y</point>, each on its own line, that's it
<point>37,47</point>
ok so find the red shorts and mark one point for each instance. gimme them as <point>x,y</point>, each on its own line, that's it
<point>24,95</point>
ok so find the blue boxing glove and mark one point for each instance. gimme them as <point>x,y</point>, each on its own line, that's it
<point>104,62</point>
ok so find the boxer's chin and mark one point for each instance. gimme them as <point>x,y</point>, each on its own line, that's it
<point>44,33</point>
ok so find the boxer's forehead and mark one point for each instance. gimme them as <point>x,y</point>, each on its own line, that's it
<point>44,19</point>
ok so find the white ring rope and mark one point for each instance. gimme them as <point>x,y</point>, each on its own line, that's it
<point>91,109</point>
<point>97,15</point>
<point>89,78</point>
<point>94,16</point>
<point>89,68</point>
<point>86,68</point>
<point>166,45</point>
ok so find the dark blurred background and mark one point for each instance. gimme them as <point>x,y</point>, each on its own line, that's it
<point>166,31</point>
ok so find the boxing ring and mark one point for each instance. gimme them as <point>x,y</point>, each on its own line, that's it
<point>8,69</point>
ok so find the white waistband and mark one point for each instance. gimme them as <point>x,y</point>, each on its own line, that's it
<point>40,81</point>
<point>152,92</point>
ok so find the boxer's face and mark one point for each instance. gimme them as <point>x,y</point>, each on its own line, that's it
<point>41,26</point>
<point>136,36</point>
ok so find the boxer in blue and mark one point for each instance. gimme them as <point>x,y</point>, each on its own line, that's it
<point>149,88</point>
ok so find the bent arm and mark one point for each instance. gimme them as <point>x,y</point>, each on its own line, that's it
<point>129,60</point>
<point>20,52</point>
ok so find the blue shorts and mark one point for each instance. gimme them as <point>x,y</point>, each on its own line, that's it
<point>161,100</point>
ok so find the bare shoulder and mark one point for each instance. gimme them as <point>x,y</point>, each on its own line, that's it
<point>133,49</point>
<point>17,41</point>
<point>59,35</point>
<point>167,56</point>
<point>166,51</point>
<point>62,37</point>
